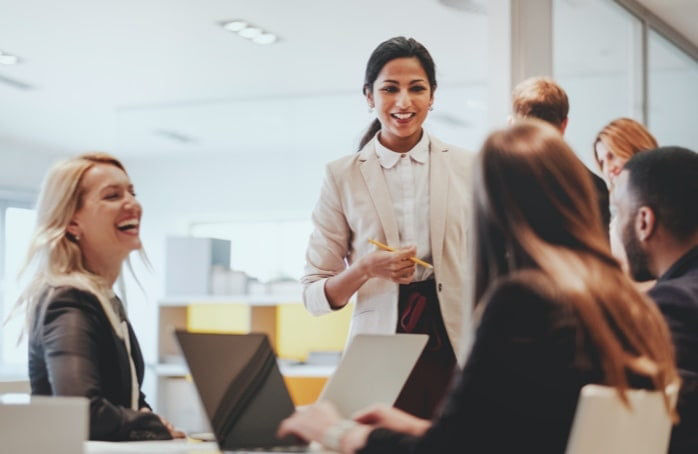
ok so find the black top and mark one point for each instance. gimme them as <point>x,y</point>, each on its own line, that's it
<point>74,351</point>
<point>602,195</point>
<point>676,294</point>
<point>519,389</point>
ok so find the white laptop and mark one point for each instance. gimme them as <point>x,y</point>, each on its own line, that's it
<point>373,369</point>
<point>41,424</point>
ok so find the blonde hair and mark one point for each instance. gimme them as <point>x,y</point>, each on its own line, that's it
<point>625,137</point>
<point>53,249</point>
<point>541,98</point>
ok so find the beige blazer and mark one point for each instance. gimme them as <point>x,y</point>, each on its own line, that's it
<point>355,205</point>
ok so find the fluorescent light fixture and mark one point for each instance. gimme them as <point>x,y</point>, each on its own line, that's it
<point>8,59</point>
<point>235,25</point>
<point>265,38</point>
<point>248,31</point>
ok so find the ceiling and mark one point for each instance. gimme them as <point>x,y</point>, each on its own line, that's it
<point>682,15</point>
<point>150,77</point>
<point>124,74</point>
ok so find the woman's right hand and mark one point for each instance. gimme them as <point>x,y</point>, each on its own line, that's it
<point>395,266</point>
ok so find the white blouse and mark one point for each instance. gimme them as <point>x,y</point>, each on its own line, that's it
<point>407,177</point>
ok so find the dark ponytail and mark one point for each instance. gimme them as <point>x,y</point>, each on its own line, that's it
<point>398,47</point>
<point>373,128</point>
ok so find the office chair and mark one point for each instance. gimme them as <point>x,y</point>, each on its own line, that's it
<point>604,425</point>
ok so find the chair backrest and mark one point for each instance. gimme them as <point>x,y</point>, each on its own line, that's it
<point>604,425</point>
<point>43,424</point>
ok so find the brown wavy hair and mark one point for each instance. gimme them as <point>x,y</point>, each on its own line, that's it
<point>535,210</point>
<point>625,137</point>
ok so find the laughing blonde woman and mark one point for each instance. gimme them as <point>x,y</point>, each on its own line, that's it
<point>80,340</point>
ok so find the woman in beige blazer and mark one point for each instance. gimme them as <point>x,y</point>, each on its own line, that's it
<point>419,206</point>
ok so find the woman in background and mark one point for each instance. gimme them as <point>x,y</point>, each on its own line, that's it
<point>617,142</point>
<point>406,189</point>
<point>556,313</point>
<point>80,340</point>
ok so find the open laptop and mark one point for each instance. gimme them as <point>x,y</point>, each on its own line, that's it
<point>373,369</point>
<point>244,395</point>
<point>55,424</point>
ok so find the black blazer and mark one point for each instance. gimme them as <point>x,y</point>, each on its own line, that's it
<point>519,389</point>
<point>74,351</point>
<point>676,295</point>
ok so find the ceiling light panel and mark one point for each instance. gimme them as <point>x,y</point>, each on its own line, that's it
<point>8,59</point>
<point>251,32</point>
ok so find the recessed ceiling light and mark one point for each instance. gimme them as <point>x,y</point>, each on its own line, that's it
<point>250,32</point>
<point>265,38</point>
<point>8,59</point>
<point>246,30</point>
<point>235,25</point>
<point>468,6</point>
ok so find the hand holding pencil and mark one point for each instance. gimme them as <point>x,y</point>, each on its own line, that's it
<point>385,247</point>
<point>393,265</point>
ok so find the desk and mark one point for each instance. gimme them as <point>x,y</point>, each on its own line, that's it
<point>168,447</point>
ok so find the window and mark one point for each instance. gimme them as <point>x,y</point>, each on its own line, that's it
<point>673,93</point>
<point>594,60</point>
<point>17,224</point>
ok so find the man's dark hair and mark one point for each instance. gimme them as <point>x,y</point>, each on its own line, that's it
<point>666,180</point>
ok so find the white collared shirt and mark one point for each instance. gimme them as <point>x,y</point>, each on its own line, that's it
<point>407,177</point>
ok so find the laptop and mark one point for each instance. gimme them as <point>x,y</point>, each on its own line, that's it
<point>373,369</point>
<point>43,423</point>
<point>245,397</point>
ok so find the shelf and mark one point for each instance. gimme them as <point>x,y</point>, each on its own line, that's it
<point>252,300</point>
<point>178,370</point>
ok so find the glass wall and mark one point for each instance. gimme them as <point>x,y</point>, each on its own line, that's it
<point>673,93</point>
<point>594,57</point>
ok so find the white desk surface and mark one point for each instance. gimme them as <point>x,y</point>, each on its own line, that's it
<point>174,446</point>
<point>169,447</point>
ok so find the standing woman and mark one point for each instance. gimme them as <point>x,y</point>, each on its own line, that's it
<point>406,189</point>
<point>80,340</point>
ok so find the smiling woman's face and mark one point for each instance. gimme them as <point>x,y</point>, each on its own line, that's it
<point>108,219</point>
<point>611,164</point>
<point>402,96</point>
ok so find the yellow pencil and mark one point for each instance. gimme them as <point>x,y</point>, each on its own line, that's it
<point>389,249</point>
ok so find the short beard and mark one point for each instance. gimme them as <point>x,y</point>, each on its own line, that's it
<point>638,258</point>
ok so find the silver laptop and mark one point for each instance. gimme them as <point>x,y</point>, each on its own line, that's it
<point>31,424</point>
<point>373,369</point>
<point>244,395</point>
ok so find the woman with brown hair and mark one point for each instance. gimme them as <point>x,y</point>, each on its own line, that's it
<point>556,313</point>
<point>617,142</point>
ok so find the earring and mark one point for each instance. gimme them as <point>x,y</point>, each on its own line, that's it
<point>431,108</point>
<point>370,109</point>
